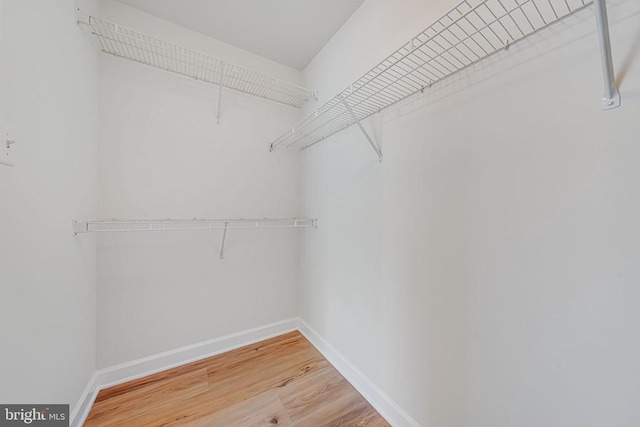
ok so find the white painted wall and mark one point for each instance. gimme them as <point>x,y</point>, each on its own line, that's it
<point>162,155</point>
<point>486,273</point>
<point>48,91</point>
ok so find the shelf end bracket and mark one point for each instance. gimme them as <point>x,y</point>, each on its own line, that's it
<point>82,18</point>
<point>80,227</point>
<point>363,130</point>
<point>611,98</point>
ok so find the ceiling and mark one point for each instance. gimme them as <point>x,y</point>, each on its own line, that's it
<point>290,32</point>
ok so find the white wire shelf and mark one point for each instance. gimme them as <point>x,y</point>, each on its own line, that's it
<point>127,43</point>
<point>120,226</point>
<point>138,225</point>
<point>467,34</point>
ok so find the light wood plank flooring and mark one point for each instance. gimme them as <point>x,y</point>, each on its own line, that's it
<point>283,381</point>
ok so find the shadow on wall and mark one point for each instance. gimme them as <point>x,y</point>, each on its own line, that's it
<point>630,58</point>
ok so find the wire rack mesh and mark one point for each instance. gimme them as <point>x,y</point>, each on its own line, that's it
<point>117,225</point>
<point>465,35</point>
<point>126,43</point>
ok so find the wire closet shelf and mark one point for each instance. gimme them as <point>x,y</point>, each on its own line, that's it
<point>127,43</point>
<point>120,226</point>
<point>465,35</point>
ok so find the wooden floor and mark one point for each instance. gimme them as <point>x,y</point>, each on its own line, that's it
<point>283,381</point>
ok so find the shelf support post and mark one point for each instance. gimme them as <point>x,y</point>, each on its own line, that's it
<point>220,84</point>
<point>224,237</point>
<point>363,130</point>
<point>611,98</point>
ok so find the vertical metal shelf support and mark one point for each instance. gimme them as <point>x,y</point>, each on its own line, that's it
<point>611,98</point>
<point>224,237</point>
<point>220,93</point>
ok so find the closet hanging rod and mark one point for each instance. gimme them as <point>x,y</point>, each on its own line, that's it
<point>470,32</point>
<point>121,226</point>
<point>124,42</point>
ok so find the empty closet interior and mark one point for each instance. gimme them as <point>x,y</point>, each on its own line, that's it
<point>440,196</point>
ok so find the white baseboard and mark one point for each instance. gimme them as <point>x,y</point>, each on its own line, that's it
<point>135,369</point>
<point>181,356</point>
<point>82,408</point>
<point>382,403</point>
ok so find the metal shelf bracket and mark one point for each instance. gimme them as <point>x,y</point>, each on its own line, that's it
<point>7,141</point>
<point>81,17</point>
<point>611,97</point>
<point>224,238</point>
<point>221,84</point>
<point>80,227</point>
<point>375,146</point>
